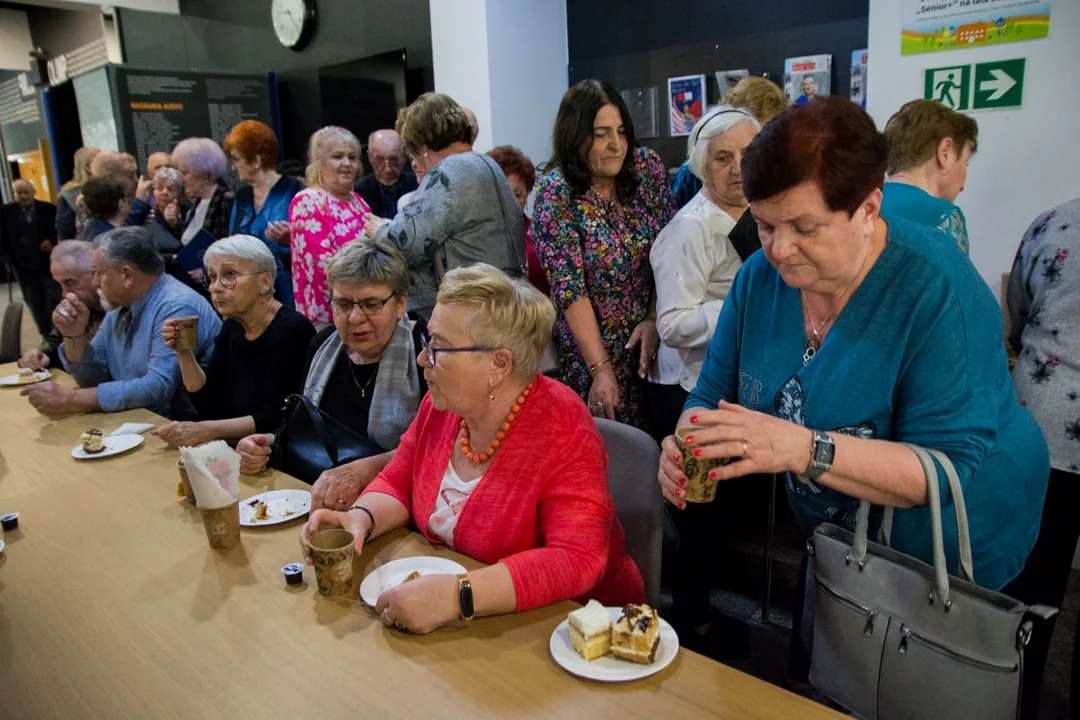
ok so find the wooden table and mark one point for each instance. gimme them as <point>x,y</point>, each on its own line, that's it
<point>112,605</point>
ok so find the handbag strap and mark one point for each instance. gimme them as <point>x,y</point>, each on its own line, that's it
<point>502,206</point>
<point>963,534</point>
<point>941,575</point>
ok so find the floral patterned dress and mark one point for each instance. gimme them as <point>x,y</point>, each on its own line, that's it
<point>592,247</point>
<point>321,225</point>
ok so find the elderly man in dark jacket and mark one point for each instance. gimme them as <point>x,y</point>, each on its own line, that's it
<point>27,236</point>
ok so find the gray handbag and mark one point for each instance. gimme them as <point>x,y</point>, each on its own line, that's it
<point>897,638</point>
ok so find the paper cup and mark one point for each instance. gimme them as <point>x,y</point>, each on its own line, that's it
<point>332,554</point>
<point>189,332</point>
<point>699,487</point>
<point>189,494</point>
<point>222,526</point>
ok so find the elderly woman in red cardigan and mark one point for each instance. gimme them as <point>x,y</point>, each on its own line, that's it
<point>501,464</point>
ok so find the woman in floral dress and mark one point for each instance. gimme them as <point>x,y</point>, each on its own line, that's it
<point>597,211</point>
<point>323,217</point>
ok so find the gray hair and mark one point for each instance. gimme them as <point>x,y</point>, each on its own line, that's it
<point>170,176</point>
<point>715,122</point>
<point>77,252</point>
<point>201,156</point>
<point>323,141</point>
<point>243,247</point>
<point>367,262</point>
<point>132,246</point>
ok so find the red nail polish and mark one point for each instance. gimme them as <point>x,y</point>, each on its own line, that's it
<point>693,419</point>
<point>680,493</point>
<point>697,453</point>
<point>675,458</point>
<point>689,439</point>
<point>682,506</point>
<point>712,474</point>
<point>682,481</point>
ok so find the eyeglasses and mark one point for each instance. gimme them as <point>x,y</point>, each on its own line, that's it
<point>368,306</point>
<point>380,161</point>
<point>226,279</point>
<point>430,352</point>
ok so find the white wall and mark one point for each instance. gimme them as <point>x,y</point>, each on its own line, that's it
<point>15,42</point>
<point>507,61</point>
<point>528,40</point>
<point>459,53</point>
<point>1029,158</point>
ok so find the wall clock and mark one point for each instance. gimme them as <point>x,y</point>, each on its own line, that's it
<point>294,22</point>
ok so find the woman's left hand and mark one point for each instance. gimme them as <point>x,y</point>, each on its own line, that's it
<point>278,232</point>
<point>422,605</point>
<point>645,334</point>
<point>757,443</point>
<point>372,223</point>
<point>177,434</point>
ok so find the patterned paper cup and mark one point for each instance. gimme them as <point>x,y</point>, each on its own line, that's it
<point>332,554</point>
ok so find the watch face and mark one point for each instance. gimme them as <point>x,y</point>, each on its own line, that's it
<point>293,21</point>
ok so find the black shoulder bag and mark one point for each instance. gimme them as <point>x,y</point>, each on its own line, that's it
<point>310,441</point>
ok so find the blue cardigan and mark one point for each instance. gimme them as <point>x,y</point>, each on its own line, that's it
<point>245,221</point>
<point>915,356</point>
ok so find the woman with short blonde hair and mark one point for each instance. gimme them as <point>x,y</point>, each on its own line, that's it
<point>464,211</point>
<point>323,217</point>
<point>69,193</point>
<point>501,464</point>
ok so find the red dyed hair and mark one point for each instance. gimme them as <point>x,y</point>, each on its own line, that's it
<point>252,139</point>
<point>829,140</point>
<point>514,162</point>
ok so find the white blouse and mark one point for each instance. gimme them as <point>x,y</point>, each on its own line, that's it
<point>694,264</point>
<point>453,494</point>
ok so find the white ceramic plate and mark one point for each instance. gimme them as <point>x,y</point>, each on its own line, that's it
<point>281,506</point>
<point>39,376</point>
<point>395,571</point>
<point>114,445</point>
<point>610,668</point>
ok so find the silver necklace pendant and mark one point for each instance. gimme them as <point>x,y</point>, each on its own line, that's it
<point>809,353</point>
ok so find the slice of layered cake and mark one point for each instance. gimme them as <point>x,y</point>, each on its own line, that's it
<point>636,635</point>
<point>92,441</point>
<point>590,630</point>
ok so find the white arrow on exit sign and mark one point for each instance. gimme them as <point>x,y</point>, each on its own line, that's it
<point>1001,84</point>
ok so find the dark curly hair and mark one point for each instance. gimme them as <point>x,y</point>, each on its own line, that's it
<point>573,137</point>
<point>102,196</point>
<point>514,162</point>
<point>829,140</point>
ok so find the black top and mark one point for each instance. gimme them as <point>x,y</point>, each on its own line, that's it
<point>744,236</point>
<point>347,397</point>
<point>20,241</point>
<point>253,377</point>
<point>382,199</point>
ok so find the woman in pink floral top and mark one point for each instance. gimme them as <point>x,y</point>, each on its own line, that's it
<point>323,217</point>
<point>595,217</point>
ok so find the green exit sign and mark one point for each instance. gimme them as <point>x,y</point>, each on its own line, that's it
<point>983,86</point>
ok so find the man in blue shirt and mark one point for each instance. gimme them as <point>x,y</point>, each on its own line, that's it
<point>126,364</point>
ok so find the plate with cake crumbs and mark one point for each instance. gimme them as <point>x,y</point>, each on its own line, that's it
<point>26,376</point>
<point>614,644</point>
<point>274,507</point>
<point>94,446</point>
<point>403,570</point>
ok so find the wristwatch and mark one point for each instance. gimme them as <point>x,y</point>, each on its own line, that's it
<point>822,451</point>
<point>465,598</point>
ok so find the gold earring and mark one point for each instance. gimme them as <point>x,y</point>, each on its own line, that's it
<point>491,391</point>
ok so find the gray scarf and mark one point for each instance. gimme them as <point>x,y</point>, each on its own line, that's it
<point>396,397</point>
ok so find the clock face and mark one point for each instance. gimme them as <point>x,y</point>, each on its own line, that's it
<point>294,21</point>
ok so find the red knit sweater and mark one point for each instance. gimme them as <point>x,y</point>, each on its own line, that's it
<point>542,508</point>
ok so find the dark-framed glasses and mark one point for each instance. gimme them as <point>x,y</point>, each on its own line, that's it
<point>429,351</point>
<point>226,279</point>
<point>368,306</point>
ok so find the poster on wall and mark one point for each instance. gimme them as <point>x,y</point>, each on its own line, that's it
<point>859,65</point>
<point>933,25</point>
<point>686,103</point>
<point>807,77</point>
<point>642,103</point>
<point>726,80</point>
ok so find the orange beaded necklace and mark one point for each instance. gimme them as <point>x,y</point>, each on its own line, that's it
<point>496,443</point>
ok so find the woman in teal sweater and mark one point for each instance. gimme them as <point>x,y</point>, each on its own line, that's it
<point>848,336</point>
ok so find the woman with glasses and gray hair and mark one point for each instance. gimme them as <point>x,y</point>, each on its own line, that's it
<point>258,356</point>
<point>502,464</point>
<point>361,371</point>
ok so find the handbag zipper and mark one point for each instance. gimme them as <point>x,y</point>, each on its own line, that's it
<point>906,634</point>
<point>871,613</point>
